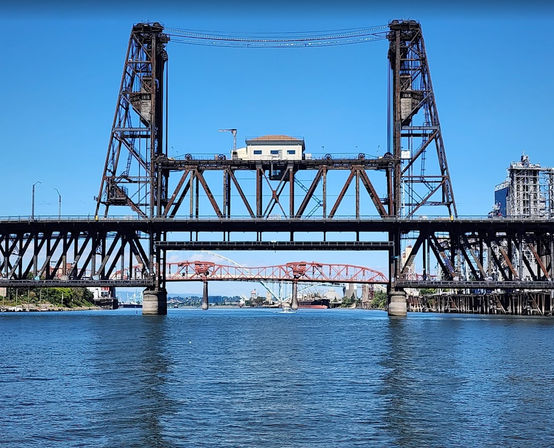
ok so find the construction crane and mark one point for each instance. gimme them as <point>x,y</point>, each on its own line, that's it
<point>234,132</point>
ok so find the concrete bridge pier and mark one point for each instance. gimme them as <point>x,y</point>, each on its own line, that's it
<point>154,302</point>
<point>397,303</point>
<point>294,299</point>
<point>205,302</point>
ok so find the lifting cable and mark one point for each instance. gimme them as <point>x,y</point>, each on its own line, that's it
<point>279,40</point>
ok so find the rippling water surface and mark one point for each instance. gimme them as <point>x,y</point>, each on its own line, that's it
<point>259,378</point>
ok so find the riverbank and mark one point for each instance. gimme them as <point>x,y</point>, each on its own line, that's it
<point>43,307</point>
<point>35,299</point>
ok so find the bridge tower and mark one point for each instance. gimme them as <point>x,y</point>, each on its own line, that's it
<point>131,175</point>
<point>136,170</point>
<point>420,177</point>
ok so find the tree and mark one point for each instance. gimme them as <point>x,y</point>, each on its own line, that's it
<point>427,291</point>
<point>379,301</point>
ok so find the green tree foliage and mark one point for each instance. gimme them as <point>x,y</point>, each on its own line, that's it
<point>379,301</point>
<point>63,297</point>
<point>348,302</point>
<point>427,291</point>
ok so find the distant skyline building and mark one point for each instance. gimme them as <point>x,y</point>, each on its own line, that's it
<point>527,192</point>
<point>501,198</point>
<point>350,290</point>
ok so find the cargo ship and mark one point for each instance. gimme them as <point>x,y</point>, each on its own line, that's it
<point>315,304</point>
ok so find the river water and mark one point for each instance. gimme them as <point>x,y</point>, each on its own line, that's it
<point>260,378</point>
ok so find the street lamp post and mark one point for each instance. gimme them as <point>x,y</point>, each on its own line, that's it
<point>33,199</point>
<point>59,203</point>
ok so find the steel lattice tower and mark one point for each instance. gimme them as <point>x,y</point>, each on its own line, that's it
<point>415,127</point>
<point>131,176</point>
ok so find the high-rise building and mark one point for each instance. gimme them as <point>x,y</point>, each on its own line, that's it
<point>528,191</point>
<point>350,290</point>
<point>501,198</point>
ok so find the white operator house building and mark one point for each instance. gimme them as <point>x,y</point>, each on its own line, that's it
<point>271,147</point>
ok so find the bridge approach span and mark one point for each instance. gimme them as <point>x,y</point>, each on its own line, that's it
<point>469,253</point>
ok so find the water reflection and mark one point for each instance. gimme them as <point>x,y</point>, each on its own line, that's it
<point>466,381</point>
<point>417,385</point>
<point>130,368</point>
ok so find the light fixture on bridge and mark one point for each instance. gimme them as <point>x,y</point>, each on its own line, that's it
<point>59,202</point>
<point>33,199</point>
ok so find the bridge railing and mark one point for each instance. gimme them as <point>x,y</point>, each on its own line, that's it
<point>89,217</point>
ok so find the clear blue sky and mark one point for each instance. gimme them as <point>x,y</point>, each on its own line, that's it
<point>491,65</point>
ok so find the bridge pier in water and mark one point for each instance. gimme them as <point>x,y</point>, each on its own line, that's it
<point>154,302</point>
<point>397,303</point>
<point>294,298</point>
<point>205,301</point>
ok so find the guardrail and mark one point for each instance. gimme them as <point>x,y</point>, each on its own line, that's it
<point>309,156</point>
<point>376,217</point>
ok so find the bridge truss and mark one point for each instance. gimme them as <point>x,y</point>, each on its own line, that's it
<point>137,170</point>
<point>470,253</point>
<point>302,271</point>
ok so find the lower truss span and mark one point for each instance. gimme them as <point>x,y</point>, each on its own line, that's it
<point>274,245</point>
<point>75,283</point>
<point>476,285</point>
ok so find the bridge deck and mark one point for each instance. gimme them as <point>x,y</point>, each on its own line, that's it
<point>518,251</point>
<point>20,224</point>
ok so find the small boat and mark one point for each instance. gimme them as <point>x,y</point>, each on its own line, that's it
<point>285,308</point>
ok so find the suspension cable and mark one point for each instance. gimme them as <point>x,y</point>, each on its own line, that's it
<point>279,40</point>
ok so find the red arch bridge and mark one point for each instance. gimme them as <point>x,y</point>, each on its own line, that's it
<point>294,272</point>
<point>290,272</point>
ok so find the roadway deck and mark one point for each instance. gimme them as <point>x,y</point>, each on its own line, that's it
<point>23,224</point>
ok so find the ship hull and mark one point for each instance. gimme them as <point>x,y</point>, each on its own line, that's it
<point>318,304</point>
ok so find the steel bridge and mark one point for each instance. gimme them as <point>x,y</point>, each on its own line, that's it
<point>269,207</point>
